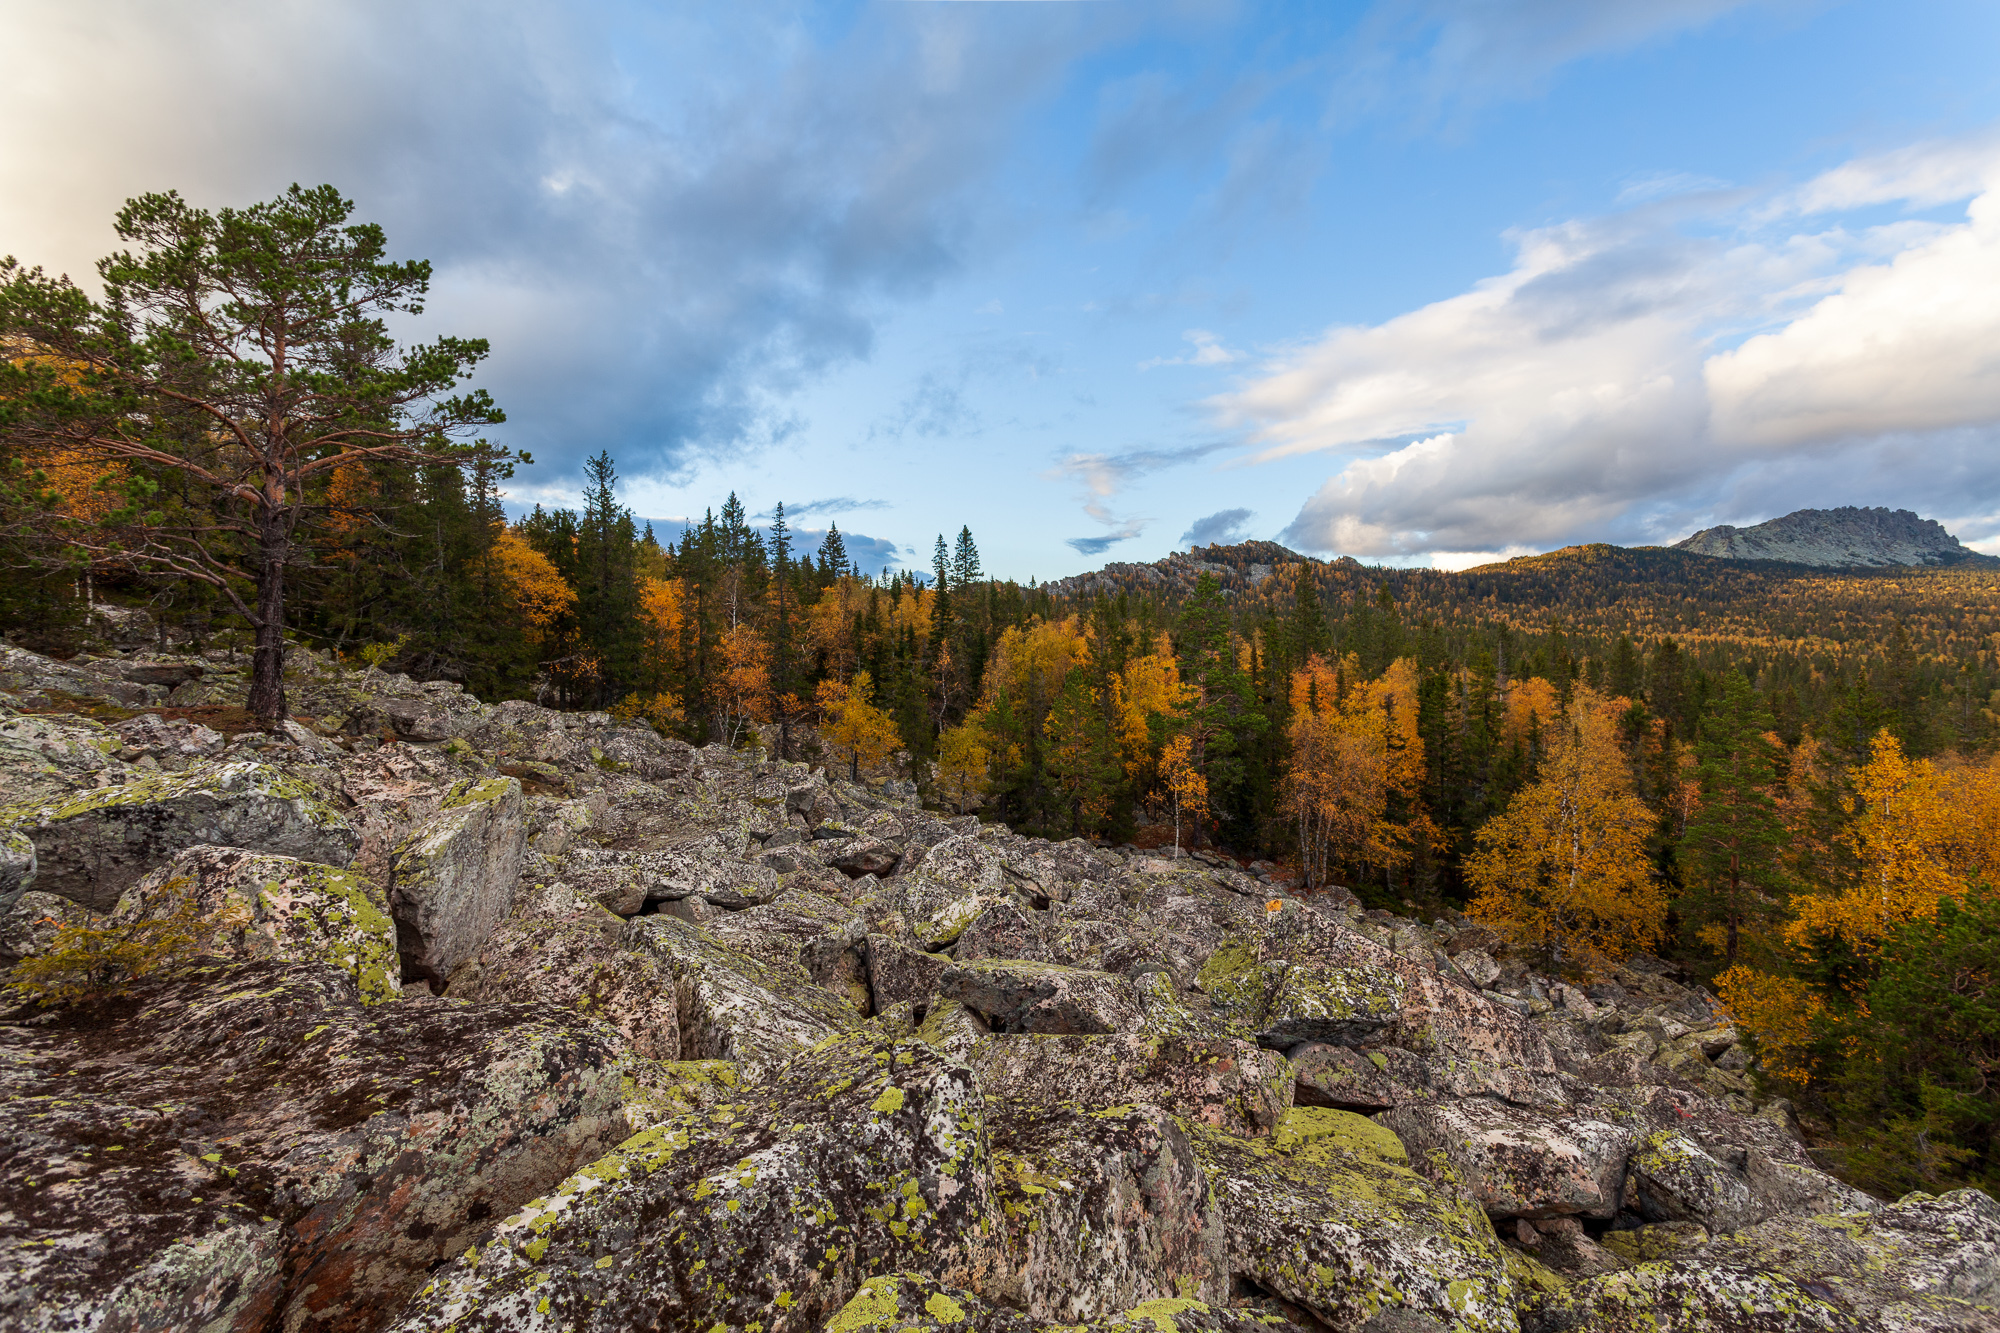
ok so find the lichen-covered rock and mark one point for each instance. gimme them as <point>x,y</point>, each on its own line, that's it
<point>1515,1161</point>
<point>451,882</point>
<point>956,881</point>
<point>862,1160</point>
<point>281,909</point>
<point>1104,1209</point>
<point>951,1028</point>
<point>733,1007</point>
<point>1655,1241</point>
<point>92,845</point>
<point>900,974</point>
<point>1328,1214</point>
<point>174,743</point>
<point>1003,930</point>
<point>572,958</point>
<point>30,925</point>
<point>17,867</point>
<point>1343,1078</point>
<point>249,1147</point>
<point>1308,977</point>
<point>1688,1296</point>
<point>43,682</point>
<point>46,756</point>
<point>915,1303</point>
<point>1013,995</point>
<point>1228,1085</point>
<point>1922,1263</point>
<point>1677,1181</point>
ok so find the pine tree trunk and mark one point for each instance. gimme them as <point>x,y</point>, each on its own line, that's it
<point>267,666</point>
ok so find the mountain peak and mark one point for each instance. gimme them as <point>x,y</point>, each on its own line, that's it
<point>1845,538</point>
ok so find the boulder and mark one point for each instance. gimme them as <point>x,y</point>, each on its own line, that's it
<point>1228,1085</point>
<point>1677,1181</point>
<point>1103,1210</point>
<point>1515,1161</point>
<point>1924,1262</point>
<point>952,886</point>
<point>451,883</point>
<point>1342,1078</point>
<point>1017,996</point>
<point>46,756</point>
<point>570,958</point>
<point>43,682</point>
<point>30,924</point>
<point>280,909</point>
<point>1328,1215</point>
<point>733,1007</point>
<point>175,743</point>
<point>862,1158</point>
<point>899,974</point>
<point>1003,930</point>
<point>92,845</point>
<point>863,856</point>
<point>250,1147</point>
<point>1683,1296</point>
<point>17,867</point>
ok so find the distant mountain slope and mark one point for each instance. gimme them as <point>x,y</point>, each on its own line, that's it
<point>1846,538</point>
<point>1598,592</point>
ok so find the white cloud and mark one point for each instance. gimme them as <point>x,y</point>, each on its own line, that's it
<point>1636,373</point>
<point>1208,351</point>
<point>1456,560</point>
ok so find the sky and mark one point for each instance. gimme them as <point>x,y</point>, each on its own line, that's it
<point>1422,282</point>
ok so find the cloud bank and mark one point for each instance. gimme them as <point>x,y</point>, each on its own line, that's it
<point>1705,357</point>
<point>665,223</point>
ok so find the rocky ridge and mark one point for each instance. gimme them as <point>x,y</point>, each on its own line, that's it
<point>1845,538</point>
<point>522,1020</point>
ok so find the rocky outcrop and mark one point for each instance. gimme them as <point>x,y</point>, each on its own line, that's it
<point>92,845</point>
<point>724,1041</point>
<point>862,1158</point>
<point>278,908</point>
<point>249,1146</point>
<point>1846,538</point>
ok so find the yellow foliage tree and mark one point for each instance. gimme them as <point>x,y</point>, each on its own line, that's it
<point>850,721</point>
<point>1355,749</point>
<point>1784,1014</point>
<point>742,692</point>
<point>663,616</point>
<point>1919,835</point>
<point>533,582</point>
<point>1564,865</point>
<point>1532,707</point>
<point>965,759</point>
<point>1187,789</point>
<point>1149,687</point>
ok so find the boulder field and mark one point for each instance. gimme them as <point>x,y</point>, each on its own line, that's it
<point>504,1019</point>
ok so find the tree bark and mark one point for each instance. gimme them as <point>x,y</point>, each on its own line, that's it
<point>267,667</point>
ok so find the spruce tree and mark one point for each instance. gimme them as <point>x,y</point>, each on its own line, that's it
<point>1732,849</point>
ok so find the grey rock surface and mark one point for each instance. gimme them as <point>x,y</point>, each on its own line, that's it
<point>1845,538</point>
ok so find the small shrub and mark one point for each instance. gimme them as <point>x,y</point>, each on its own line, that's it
<point>378,655</point>
<point>87,960</point>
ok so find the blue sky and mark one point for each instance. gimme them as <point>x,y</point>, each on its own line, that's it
<point>1416,281</point>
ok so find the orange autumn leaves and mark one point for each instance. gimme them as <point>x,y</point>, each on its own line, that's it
<point>1564,866</point>
<point>1915,834</point>
<point>1356,761</point>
